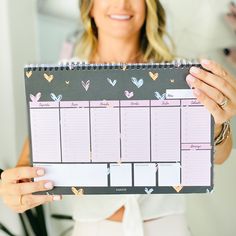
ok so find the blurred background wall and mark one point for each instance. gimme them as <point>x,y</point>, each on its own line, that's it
<point>33,31</point>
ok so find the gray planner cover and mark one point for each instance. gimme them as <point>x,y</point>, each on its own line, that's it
<point>128,97</point>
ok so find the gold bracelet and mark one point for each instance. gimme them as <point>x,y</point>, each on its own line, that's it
<point>224,134</point>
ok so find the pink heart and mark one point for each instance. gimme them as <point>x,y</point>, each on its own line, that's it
<point>129,94</point>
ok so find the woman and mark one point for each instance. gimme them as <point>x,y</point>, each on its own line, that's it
<point>129,31</point>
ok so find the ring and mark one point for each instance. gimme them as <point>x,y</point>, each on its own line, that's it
<point>224,103</point>
<point>20,200</point>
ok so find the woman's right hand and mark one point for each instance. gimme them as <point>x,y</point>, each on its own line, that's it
<point>16,188</point>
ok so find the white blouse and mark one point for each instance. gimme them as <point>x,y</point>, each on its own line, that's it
<point>138,207</point>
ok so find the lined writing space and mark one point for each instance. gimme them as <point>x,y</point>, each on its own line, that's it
<point>45,135</point>
<point>120,174</point>
<point>196,125</point>
<point>64,175</point>
<point>168,174</point>
<point>196,168</point>
<point>145,174</point>
<point>75,139</point>
<point>135,134</point>
<point>165,133</point>
<point>105,134</point>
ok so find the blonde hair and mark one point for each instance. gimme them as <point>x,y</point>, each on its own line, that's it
<point>153,33</point>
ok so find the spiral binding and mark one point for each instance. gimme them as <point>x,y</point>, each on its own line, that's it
<point>72,65</point>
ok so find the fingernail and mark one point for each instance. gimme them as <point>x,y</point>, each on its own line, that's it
<point>40,172</point>
<point>227,51</point>
<point>56,198</point>
<point>48,185</point>
<point>194,70</point>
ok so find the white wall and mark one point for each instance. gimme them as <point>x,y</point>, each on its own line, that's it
<point>17,47</point>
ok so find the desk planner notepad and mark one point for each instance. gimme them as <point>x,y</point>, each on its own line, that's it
<point>119,129</point>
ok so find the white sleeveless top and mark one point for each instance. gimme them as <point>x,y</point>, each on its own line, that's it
<point>138,207</point>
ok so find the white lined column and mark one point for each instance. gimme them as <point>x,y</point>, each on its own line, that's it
<point>75,131</point>
<point>105,131</point>
<point>165,130</point>
<point>135,130</point>
<point>45,131</point>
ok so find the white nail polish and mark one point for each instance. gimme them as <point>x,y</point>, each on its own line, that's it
<point>56,198</point>
<point>40,172</point>
<point>48,185</point>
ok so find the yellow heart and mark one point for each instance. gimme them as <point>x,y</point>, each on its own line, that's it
<point>49,78</point>
<point>178,188</point>
<point>154,76</point>
<point>28,74</point>
<point>77,192</point>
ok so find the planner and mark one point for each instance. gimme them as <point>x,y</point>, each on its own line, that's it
<point>119,128</point>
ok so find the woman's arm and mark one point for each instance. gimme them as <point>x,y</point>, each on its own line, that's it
<point>24,159</point>
<point>223,150</point>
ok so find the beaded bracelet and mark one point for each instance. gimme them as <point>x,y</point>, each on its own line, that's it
<point>224,134</point>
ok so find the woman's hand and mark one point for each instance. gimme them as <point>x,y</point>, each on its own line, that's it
<point>16,188</point>
<point>216,90</point>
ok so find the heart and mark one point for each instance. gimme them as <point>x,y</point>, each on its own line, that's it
<point>49,78</point>
<point>113,83</point>
<point>172,80</point>
<point>56,98</point>
<point>129,94</point>
<point>154,76</point>
<point>86,85</point>
<point>77,192</point>
<point>148,191</point>
<point>138,83</point>
<point>35,98</point>
<point>28,74</point>
<point>159,96</point>
<point>178,188</point>
<point>67,82</point>
<point>124,67</point>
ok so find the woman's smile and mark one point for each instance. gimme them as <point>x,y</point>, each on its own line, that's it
<point>120,17</point>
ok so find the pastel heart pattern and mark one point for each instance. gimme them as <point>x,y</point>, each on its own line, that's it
<point>49,78</point>
<point>178,188</point>
<point>56,98</point>
<point>154,76</point>
<point>113,83</point>
<point>138,83</point>
<point>86,84</point>
<point>29,73</point>
<point>129,94</point>
<point>159,96</point>
<point>77,192</point>
<point>124,67</point>
<point>148,191</point>
<point>35,98</point>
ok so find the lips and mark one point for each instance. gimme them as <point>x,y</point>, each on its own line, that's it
<point>120,17</point>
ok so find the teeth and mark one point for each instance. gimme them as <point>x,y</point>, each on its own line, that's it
<point>120,17</point>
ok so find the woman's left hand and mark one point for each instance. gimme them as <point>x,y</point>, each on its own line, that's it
<point>216,90</point>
